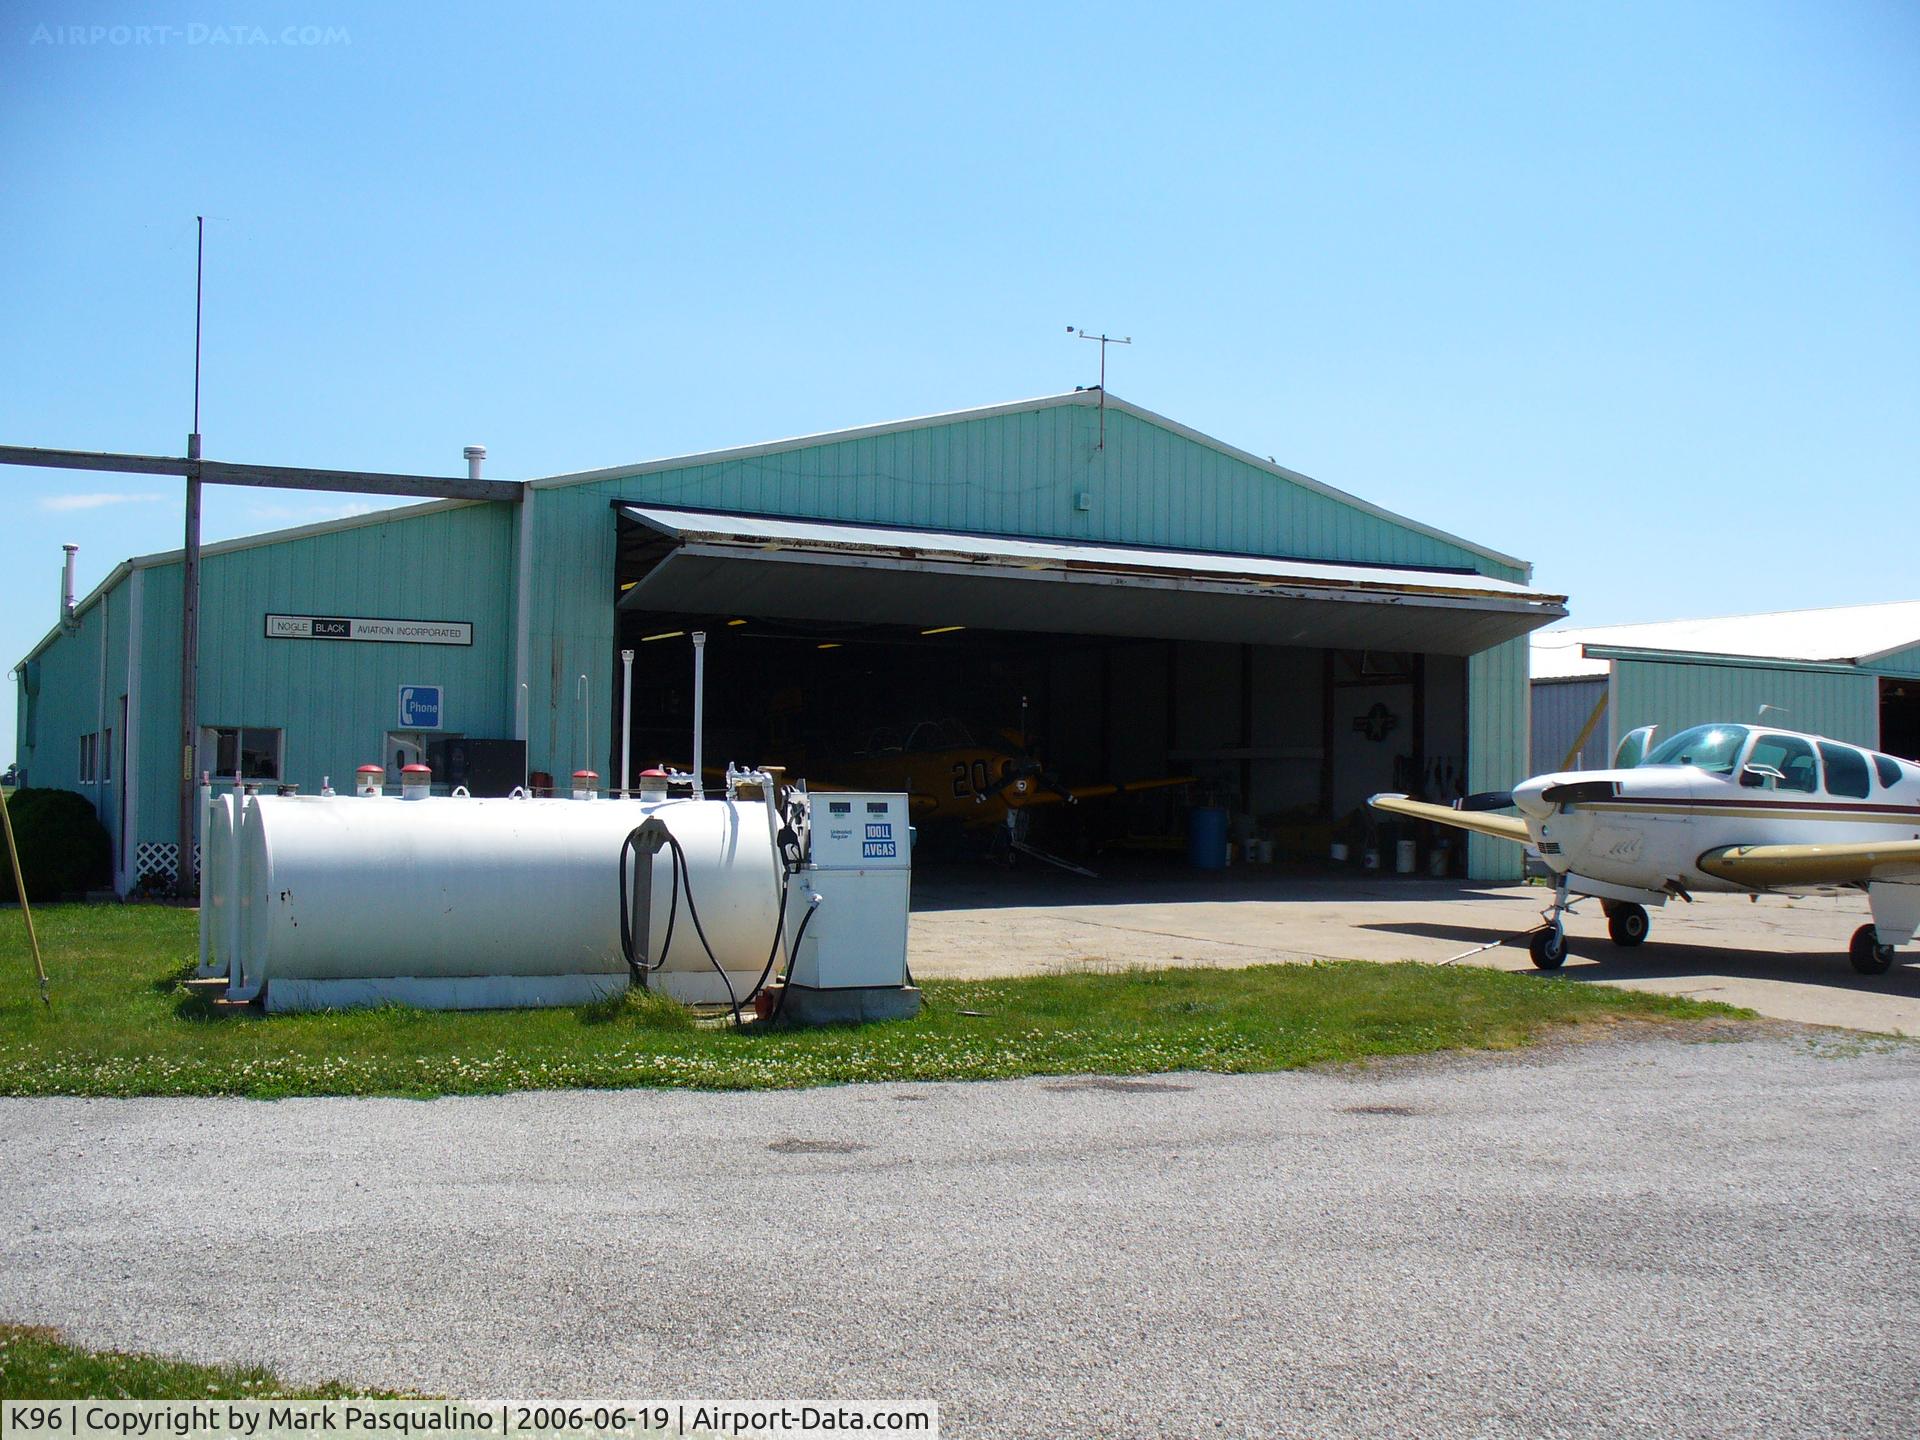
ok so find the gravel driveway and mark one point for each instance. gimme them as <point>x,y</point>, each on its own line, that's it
<point>1653,1234</point>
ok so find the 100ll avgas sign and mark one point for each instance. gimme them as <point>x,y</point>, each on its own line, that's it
<point>364,627</point>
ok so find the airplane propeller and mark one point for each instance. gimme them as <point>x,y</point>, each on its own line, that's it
<point>1566,792</point>
<point>1486,800</point>
<point>1026,768</point>
<point>1574,791</point>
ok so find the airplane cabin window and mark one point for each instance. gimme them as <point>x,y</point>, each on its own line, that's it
<point>1710,747</point>
<point>1889,769</point>
<point>1792,757</point>
<point>1846,771</point>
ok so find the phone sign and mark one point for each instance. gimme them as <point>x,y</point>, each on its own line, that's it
<point>420,707</point>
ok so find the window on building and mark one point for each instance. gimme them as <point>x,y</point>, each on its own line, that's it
<point>1782,762</point>
<point>106,756</point>
<point>89,753</point>
<point>1889,770</point>
<point>1846,771</point>
<point>254,751</point>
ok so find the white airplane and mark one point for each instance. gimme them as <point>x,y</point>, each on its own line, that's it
<point>1739,808</point>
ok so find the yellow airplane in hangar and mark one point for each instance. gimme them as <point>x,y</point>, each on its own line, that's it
<point>950,776</point>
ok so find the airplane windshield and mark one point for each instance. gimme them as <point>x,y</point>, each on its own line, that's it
<point>1710,747</point>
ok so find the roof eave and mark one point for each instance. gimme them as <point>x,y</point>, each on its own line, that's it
<point>84,604</point>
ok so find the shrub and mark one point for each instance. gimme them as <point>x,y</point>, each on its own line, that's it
<point>63,846</point>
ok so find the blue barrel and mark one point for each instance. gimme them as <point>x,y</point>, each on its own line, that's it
<point>1207,837</point>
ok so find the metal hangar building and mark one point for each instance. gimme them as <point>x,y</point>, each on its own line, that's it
<point>1136,597</point>
<point>1851,672</point>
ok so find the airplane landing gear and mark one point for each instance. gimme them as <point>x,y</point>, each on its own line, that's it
<point>1548,946</point>
<point>1868,955</point>
<point>1627,924</point>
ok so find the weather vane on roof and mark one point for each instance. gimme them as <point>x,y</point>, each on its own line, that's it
<point>1105,340</point>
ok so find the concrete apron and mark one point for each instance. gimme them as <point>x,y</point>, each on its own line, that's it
<point>1782,957</point>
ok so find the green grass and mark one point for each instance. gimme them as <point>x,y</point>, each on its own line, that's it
<point>38,1364</point>
<point>122,1024</point>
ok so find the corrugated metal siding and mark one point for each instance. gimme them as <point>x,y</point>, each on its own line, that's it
<point>450,564</point>
<point>1674,696</point>
<point>72,699</point>
<point>1561,709</point>
<point>82,676</point>
<point>1020,474</point>
<point>1902,662</point>
<point>1497,746</point>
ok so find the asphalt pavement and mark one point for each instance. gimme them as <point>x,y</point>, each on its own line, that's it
<point>1714,1233</point>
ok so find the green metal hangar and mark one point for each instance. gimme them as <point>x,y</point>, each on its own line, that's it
<point>1850,672</point>
<point>1134,598</point>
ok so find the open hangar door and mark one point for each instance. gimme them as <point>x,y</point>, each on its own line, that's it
<point>831,645</point>
<point>1900,717</point>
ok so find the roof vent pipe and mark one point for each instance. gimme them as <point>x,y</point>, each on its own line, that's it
<point>66,584</point>
<point>476,457</point>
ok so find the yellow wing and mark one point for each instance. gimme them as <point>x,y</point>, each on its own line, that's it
<point>1481,822</point>
<point>1122,787</point>
<point>1764,865</point>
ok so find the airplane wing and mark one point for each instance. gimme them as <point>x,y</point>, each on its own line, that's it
<point>1128,787</point>
<point>1764,865</point>
<point>1049,796</point>
<point>1481,822</point>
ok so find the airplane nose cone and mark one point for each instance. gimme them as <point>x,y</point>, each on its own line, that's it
<point>1529,797</point>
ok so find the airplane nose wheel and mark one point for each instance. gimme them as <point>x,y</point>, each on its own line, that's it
<point>1548,946</point>
<point>1868,955</point>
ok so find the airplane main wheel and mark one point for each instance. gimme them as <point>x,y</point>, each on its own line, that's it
<point>1628,924</point>
<point>1548,948</point>
<point>1868,955</point>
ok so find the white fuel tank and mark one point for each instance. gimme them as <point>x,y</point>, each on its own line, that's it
<point>484,903</point>
<point>219,855</point>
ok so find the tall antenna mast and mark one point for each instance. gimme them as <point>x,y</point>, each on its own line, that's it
<point>1105,340</point>
<point>184,875</point>
<point>199,289</point>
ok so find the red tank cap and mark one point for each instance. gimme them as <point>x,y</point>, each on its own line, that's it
<point>416,770</point>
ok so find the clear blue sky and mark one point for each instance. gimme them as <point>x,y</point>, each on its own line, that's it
<point>1631,290</point>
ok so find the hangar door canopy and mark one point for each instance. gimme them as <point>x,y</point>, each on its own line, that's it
<point>716,562</point>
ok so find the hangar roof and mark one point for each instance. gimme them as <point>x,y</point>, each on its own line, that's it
<point>1845,634</point>
<point>709,560</point>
